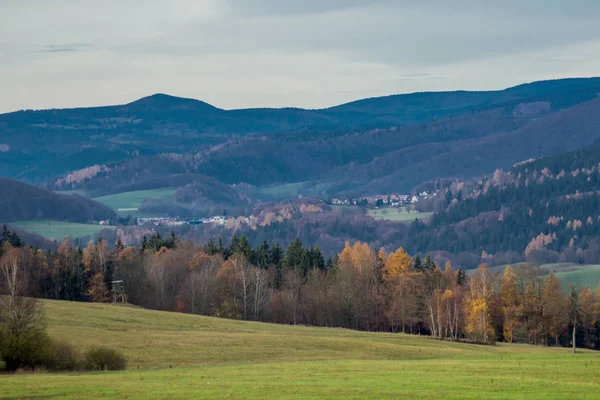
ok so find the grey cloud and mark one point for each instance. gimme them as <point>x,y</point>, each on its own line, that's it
<point>562,8</point>
<point>384,32</point>
<point>280,8</point>
<point>279,52</point>
<point>63,48</point>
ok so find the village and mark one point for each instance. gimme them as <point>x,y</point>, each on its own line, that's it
<point>391,200</point>
<point>375,201</point>
<point>176,221</point>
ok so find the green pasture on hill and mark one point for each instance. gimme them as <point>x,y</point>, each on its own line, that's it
<point>180,356</point>
<point>569,274</point>
<point>57,230</point>
<point>128,203</point>
<point>397,214</point>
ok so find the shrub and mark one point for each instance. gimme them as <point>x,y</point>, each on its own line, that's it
<point>2,365</point>
<point>104,359</point>
<point>62,357</point>
<point>24,349</point>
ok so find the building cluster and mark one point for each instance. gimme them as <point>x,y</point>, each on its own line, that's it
<point>170,221</point>
<point>392,200</point>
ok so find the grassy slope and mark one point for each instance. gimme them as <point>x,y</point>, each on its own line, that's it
<point>586,275</point>
<point>56,230</point>
<point>214,358</point>
<point>133,200</point>
<point>397,214</point>
<point>568,273</point>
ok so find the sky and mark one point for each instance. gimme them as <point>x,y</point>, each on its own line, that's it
<point>276,53</point>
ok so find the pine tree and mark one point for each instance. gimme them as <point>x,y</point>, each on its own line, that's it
<point>262,256</point>
<point>292,259</point>
<point>211,249</point>
<point>417,264</point>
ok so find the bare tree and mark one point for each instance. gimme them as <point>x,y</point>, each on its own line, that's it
<point>11,265</point>
<point>201,281</point>
<point>260,287</point>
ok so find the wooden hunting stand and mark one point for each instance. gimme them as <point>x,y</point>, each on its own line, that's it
<point>118,292</point>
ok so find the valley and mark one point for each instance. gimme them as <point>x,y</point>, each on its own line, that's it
<point>238,199</point>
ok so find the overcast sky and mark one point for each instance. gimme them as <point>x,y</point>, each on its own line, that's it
<point>306,53</point>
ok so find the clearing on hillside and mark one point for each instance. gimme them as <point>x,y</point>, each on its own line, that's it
<point>398,214</point>
<point>182,356</point>
<point>57,230</point>
<point>128,203</point>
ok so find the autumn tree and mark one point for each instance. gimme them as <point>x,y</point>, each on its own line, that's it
<point>509,298</point>
<point>129,268</point>
<point>574,307</point>
<point>478,306</point>
<point>554,310</point>
<point>401,289</point>
<point>200,285</point>
<point>96,259</point>
<point>452,302</point>
<point>589,313</point>
<point>234,283</point>
<point>433,285</point>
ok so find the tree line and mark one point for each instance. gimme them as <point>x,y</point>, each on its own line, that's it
<point>359,288</point>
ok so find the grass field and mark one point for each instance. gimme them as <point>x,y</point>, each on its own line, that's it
<point>569,274</point>
<point>576,275</point>
<point>289,189</point>
<point>183,356</point>
<point>397,214</point>
<point>128,203</point>
<point>55,230</point>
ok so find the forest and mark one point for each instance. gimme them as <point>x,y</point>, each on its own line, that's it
<point>542,211</point>
<point>360,288</point>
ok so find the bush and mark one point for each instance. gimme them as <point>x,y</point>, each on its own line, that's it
<point>26,349</point>
<point>104,359</point>
<point>2,365</point>
<point>62,357</point>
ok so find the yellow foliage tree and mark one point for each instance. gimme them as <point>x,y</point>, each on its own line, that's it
<point>97,289</point>
<point>509,300</point>
<point>358,257</point>
<point>398,263</point>
<point>478,306</point>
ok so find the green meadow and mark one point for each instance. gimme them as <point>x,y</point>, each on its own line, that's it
<point>128,203</point>
<point>180,356</point>
<point>56,230</point>
<point>397,214</point>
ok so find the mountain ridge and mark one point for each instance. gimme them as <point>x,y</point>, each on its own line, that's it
<point>544,84</point>
<point>43,146</point>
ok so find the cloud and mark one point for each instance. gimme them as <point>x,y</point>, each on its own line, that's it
<point>244,53</point>
<point>282,8</point>
<point>63,48</point>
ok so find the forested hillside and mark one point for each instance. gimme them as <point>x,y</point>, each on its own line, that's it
<point>161,135</point>
<point>22,202</point>
<point>546,210</point>
<point>377,161</point>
